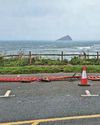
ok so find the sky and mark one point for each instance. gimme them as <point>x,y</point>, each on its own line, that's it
<point>49,19</point>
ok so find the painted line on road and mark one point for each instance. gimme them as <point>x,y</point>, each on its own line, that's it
<point>88,94</point>
<point>36,122</point>
<point>7,94</point>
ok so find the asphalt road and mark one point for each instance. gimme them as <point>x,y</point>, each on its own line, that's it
<point>41,100</point>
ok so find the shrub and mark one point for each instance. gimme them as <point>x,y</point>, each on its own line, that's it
<point>16,62</point>
<point>78,61</point>
<point>75,60</point>
<point>1,60</point>
<point>50,62</point>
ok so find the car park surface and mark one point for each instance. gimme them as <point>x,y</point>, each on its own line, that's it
<point>49,100</point>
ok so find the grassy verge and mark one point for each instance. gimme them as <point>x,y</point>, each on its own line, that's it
<point>48,69</point>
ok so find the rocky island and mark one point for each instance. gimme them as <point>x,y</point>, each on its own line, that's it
<point>65,38</point>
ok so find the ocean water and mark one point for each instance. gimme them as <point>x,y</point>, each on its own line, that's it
<point>48,47</point>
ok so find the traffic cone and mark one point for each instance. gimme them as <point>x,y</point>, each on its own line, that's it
<point>84,78</point>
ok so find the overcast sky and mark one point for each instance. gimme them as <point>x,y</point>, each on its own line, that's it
<point>49,19</point>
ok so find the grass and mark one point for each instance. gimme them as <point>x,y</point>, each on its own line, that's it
<point>48,69</point>
<point>21,66</point>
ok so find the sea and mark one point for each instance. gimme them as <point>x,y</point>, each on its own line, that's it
<point>49,47</point>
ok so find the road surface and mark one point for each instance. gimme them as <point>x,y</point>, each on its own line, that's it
<point>50,100</point>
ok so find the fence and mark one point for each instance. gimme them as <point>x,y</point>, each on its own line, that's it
<point>61,55</point>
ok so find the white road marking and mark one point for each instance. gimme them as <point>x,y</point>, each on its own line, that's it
<point>88,94</point>
<point>7,94</point>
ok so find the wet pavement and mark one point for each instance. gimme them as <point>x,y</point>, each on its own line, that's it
<point>43,100</point>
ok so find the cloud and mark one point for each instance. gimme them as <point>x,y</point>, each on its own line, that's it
<point>49,19</point>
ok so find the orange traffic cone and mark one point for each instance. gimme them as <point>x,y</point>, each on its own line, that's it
<point>84,78</point>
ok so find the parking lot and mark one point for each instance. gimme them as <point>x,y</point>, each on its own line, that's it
<point>56,102</point>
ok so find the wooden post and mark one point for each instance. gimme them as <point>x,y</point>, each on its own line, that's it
<point>30,58</point>
<point>88,54</point>
<point>97,55</point>
<point>62,56</point>
<point>84,55</point>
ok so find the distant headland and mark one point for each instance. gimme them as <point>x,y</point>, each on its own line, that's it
<point>65,38</point>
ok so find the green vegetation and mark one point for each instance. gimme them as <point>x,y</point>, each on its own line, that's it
<point>16,61</point>
<point>77,60</point>
<point>22,66</point>
<point>25,62</point>
<point>47,69</point>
